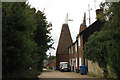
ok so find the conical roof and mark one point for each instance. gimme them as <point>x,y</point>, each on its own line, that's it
<point>65,40</point>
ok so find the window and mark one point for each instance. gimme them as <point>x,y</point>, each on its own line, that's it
<point>76,47</point>
<point>76,62</point>
<point>72,49</point>
<point>79,43</point>
<point>79,61</point>
<point>70,61</point>
<point>69,50</point>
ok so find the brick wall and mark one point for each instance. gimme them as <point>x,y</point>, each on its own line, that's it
<point>81,50</point>
<point>61,58</point>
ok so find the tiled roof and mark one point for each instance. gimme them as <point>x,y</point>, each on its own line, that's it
<point>65,40</point>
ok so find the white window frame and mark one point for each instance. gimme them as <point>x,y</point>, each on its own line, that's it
<point>72,62</point>
<point>79,43</point>
<point>76,62</point>
<point>76,46</point>
<point>72,49</point>
<point>80,63</point>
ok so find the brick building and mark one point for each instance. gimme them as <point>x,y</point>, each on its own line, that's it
<point>72,57</point>
<point>73,52</point>
<point>52,63</point>
<point>92,67</point>
<point>65,40</point>
<point>76,56</point>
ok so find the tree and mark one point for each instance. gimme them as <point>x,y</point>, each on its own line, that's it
<point>17,43</point>
<point>20,49</point>
<point>42,36</point>
<point>106,42</point>
<point>95,49</point>
<point>113,45</point>
<point>51,58</point>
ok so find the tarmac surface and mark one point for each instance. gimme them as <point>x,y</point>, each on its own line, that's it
<point>57,75</point>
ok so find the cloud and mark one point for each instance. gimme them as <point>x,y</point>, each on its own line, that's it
<point>56,10</point>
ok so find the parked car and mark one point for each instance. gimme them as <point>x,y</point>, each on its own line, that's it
<point>64,66</point>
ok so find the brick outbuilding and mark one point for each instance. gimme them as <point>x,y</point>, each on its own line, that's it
<point>52,63</point>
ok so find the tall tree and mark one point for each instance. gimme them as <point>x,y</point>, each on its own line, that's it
<point>42,38</point>
<point>21,50</point>
<point>106,50</point>
<point>17,43</point>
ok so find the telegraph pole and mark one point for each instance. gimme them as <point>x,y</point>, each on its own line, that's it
<point>95,4</point>
<point>89,13</point>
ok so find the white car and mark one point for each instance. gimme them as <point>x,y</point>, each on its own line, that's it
<point>64,66</point>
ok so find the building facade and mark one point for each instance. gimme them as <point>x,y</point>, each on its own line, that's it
<point>77,59</point>
<point>73,52</point>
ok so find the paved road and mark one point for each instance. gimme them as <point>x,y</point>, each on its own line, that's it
<point>57,75</point>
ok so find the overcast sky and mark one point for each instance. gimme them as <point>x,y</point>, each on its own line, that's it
<point>56,11</point>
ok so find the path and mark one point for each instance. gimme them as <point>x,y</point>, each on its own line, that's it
<point>55,74</point>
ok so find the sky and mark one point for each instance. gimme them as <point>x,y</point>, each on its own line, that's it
<point>56,11</point>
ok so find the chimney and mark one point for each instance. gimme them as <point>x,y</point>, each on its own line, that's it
<point>98,12</point>
<point>83,25</point>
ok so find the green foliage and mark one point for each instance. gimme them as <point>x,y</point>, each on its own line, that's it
<point>113,45</point>
<point>22,46</point>
<point>104,47</point>
<point>52,57</point>
<point>41,36</point>
<point>33,73</point>
<point>95,49</point>
<point>113,51</point>
<point>50,67</point>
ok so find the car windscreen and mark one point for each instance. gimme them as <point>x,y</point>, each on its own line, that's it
<point>65,65</point>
